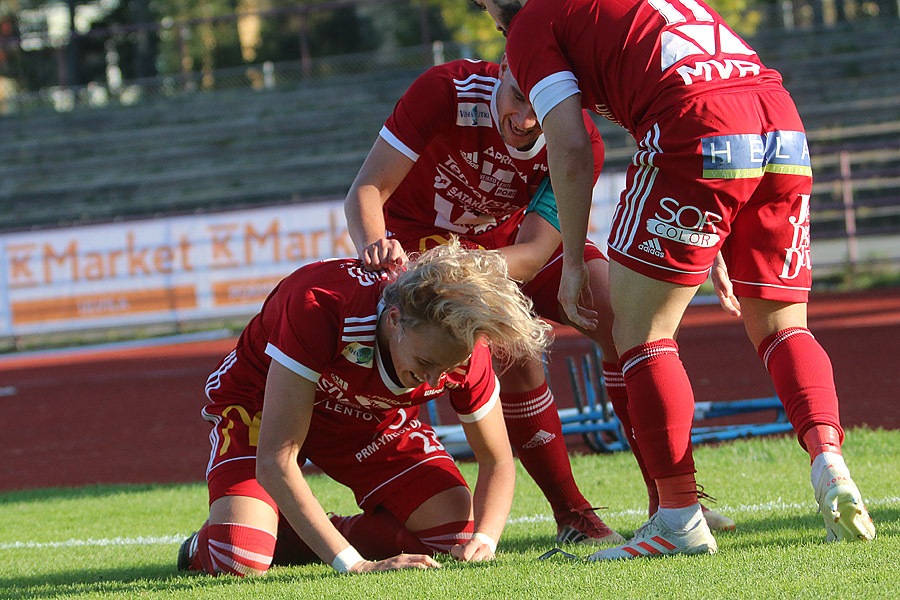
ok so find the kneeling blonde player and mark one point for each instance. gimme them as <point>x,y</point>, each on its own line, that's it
<point>333,370</point>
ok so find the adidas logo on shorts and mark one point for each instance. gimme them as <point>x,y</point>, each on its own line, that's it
<point>652,246</point>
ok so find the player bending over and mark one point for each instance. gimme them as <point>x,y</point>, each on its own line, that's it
<point>722,164</point>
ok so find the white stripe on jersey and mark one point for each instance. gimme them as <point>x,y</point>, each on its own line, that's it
<point>369,319</point>
<point>366,329</point>
<point>476,78</point>
<point>361,328</point>
<point>637,195</point>
<point>474,95</point>
<point>214,381</point>
<point>213,438</point>
<point>476,86</point>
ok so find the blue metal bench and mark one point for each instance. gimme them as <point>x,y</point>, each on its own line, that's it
<point>593,417</point>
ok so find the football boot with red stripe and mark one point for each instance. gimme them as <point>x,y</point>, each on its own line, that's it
<point>654,538</point>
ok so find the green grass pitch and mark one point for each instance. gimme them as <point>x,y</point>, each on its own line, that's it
<point>121,541</point>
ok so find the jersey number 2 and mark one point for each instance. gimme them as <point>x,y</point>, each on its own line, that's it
<point>429,440</point>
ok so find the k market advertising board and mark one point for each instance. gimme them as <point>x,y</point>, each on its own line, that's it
<point>175,268</point>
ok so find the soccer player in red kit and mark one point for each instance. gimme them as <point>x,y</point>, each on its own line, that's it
<point>722,166</point>
<point>333,370</point>
<point>462,154</point>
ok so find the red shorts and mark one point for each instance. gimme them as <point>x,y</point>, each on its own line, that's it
<point>729,172</point>
<point>542,290</point>
<point>391,460</point>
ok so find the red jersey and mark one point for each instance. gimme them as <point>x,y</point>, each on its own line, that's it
<point>320,322</point>
<point>465,179</point>
<point>632,60</point>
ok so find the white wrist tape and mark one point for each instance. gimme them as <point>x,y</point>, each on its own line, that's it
<point>486,540</point>
<point>345,559</point>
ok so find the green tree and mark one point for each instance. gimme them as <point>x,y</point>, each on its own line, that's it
<point>473,27</point>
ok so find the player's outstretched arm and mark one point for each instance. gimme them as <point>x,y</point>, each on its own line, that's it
<point>494,487</point>
<point>287,412</point>
<point>571,160</point>
<point>381,173</point>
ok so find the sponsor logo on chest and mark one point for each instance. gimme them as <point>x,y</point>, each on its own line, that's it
<point>473,114</point>
<point>359,354</point>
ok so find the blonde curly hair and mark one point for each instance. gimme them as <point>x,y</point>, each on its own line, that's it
<point>468,295</point>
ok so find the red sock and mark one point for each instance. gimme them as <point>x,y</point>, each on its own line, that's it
<point>536,435</point>
<point>618,396</point>
<point>661,407</point>
<point>379,535</point>
<point>443,537</point>
<point>679,491</point>
<point>821,438</point>
<point>233,549</point>
<point>804,381</point>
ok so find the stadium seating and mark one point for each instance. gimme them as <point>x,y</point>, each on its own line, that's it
<point>195,152</point>
<point>304,141</point>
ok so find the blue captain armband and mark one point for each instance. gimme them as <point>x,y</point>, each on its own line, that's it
<point>544,203</point>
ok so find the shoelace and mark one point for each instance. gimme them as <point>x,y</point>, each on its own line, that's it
<point>555,551</point>
<point>586,521</point>
<point>701,495</point>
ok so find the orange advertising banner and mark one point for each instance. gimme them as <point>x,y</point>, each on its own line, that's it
<point>104,305</point>
<point>243,291</point>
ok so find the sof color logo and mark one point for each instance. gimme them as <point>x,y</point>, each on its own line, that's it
<point>685,224</point>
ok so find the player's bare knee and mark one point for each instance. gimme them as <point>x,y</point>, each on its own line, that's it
<point>451,505</point>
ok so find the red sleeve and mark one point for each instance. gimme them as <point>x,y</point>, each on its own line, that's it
<point>304,338</point>
<point>425,111</point>
<point>532,50</point>
<point>596,143</point>
<point>478,391</point>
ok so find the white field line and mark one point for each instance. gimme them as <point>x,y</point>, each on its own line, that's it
<point>766,508</point>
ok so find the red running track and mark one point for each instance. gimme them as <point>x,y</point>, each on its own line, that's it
<point>133,416</point>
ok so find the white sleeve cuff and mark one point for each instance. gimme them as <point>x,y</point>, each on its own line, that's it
<point>481,412</point>
<point>286,361</point>
<point>552,90</point>
<point>394,141</point>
